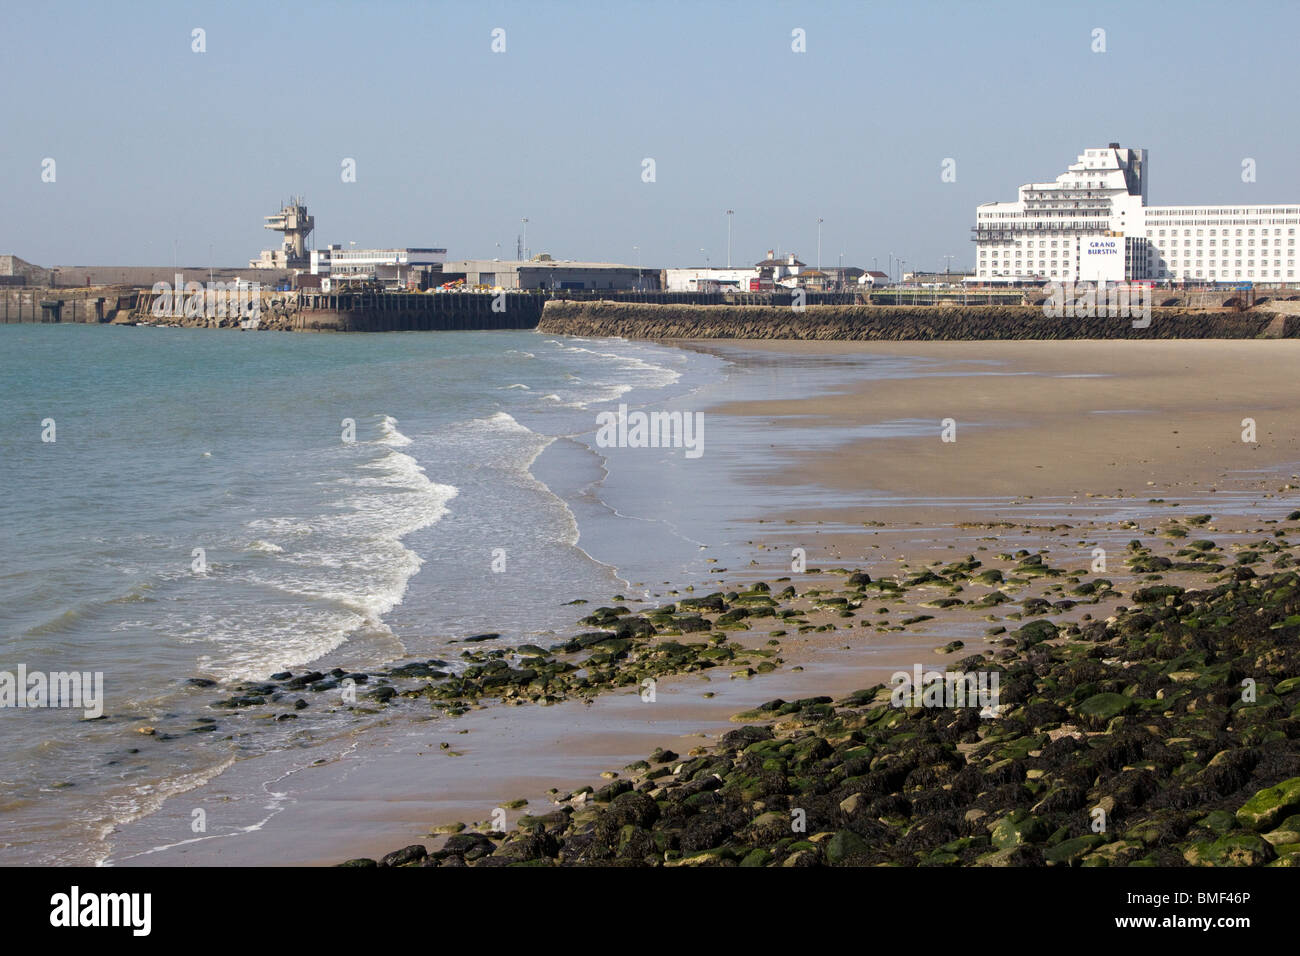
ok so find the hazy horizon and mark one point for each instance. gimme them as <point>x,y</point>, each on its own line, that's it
<point>164,152</point>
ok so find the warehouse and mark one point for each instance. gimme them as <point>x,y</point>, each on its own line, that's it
<point>549,274</point>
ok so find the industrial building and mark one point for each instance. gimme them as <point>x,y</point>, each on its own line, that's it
<point>708,280</point>
<point>544,273</point>
<point>766,275</point>
<point>1093,224</point>
<point>393,268</point>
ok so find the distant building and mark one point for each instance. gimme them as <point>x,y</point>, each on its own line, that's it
<point>775,269</point>
<point>402,268</point>
<point>955,277</point>
<point>813,279</point>
<point>708,279</point>
<point>1093,224</point>
<point>297,225</point>
<point>545,273</point>
<point>873,278</point>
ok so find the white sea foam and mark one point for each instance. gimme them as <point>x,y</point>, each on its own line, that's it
<point>339,572</point>
<point>389,435</point>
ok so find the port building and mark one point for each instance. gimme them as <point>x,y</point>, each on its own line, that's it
<point>544,273</point>
<point>392,268</point>
<point>1093,224</point>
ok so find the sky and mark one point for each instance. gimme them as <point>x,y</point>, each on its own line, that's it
<point>163,154</point>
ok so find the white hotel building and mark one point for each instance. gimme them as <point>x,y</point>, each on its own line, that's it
<point>1093,224</point>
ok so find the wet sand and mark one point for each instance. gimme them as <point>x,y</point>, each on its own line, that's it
<point>1057,447</point>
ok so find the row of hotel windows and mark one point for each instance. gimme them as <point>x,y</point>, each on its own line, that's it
<point>1173,263</point>
<point>1173,246</point>
<point>1162,274</point>
<point>1252,211</point>
<point>1249,232</point>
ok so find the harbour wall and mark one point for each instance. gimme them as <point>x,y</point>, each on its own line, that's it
<point>898,323</point>
<point>82,306</point>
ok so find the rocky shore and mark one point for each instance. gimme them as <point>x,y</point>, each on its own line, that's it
<point>1161,731</point>
<point>896,323</point>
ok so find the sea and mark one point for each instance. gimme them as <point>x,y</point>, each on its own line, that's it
<point>223,505</point>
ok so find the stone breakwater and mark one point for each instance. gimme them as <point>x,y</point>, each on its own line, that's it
<point>1161,734</point>
<point>895,323</point>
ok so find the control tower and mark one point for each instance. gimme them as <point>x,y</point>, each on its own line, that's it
<point>297,225</point>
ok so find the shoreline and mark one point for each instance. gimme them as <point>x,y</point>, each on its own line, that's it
<point>565,746</point>
<point>844,544</point>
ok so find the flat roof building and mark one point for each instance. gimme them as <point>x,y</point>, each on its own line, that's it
<point>1093,224</point>
<point>552,275</point>
<point>708,279</point>
<point>391,267</point>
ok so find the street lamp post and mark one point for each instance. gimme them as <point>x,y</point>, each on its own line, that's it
<point>637,249</point>
<point>819,244</point>
<point>729,214</point>
<point>525,222</point>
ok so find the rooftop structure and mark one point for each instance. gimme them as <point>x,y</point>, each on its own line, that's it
<point>297,225</point>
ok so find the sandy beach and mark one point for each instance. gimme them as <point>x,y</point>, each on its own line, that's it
<point>1068,445</point>
<point>1056,418</point>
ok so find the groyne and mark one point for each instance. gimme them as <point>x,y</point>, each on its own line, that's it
<point>898,323</point>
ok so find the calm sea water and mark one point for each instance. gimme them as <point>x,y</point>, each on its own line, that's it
<point>473,452</point>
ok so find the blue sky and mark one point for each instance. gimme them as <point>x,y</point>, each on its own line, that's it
<point>159,148</point>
